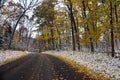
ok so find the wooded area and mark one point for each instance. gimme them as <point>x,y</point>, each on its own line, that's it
<point>82,25</point>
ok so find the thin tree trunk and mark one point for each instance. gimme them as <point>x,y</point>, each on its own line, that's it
<point>115,10</point>
<point>116,19</point>
<point>52,39</point>
<point>116,42</point>
<point>92,45</point>
<point>77,34</point>
<point>73,38</point>
<point>112,29</point>
<point>72,25</point>
<point>86,26</point>
<point>60,43</point>
<point>10,42</point>
<point>76,31</point>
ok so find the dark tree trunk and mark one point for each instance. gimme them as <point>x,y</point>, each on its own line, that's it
<point>92,45</point>
<point>77,34</point>
<point>115,10</point>
<point>52,39</point>
<point>49,44</point>
<point>60,44</point>
<point>73,39</point>
<point>76,30</point>
<point>1,40</point>
<point>116,19</point>
<point>86,26</point>
<point>112,29</point>
<point>10,42</point>
<point>72,24</point>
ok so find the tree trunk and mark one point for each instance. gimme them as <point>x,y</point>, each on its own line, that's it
<point>73,38</point>
<point>115,11</point>
<point>116,19</point>
<point>92,46</point>
<point>112,29</point>
<point>11,38</point>
<point>76,29</point>
<point>60,43</point>
<point>72,24</point>
<point>77,34</point>
<point>86,26</point>
<point>52,39</point>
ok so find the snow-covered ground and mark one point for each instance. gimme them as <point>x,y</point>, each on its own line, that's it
<point>8,55</point>
<point>100,62</point>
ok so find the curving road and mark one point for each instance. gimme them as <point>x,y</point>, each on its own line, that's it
<point>39,67</point>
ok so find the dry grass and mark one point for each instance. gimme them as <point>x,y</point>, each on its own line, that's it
<point>82,68</point>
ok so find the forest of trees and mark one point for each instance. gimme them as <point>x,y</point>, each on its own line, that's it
<point>84,25</point>
<point>16,27</point>
<point>78,25</point>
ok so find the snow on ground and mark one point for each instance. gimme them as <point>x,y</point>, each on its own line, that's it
<point>8,56</point>
<point>100,62</point>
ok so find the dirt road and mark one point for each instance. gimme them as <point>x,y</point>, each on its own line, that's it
<point>39,67</point>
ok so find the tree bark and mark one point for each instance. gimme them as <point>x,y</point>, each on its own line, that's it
<point>115,11</point>
<point>86,26</point>
<point>92,45</point>
<point>112,29</point>
<point>73,22</point>
<point>72,25</point>
<point>52,39</point>
<point>10,42</point>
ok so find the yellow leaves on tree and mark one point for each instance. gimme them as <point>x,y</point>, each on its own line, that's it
<point>56,36</point>
<point>5,11</point>
<point>39,38</point>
